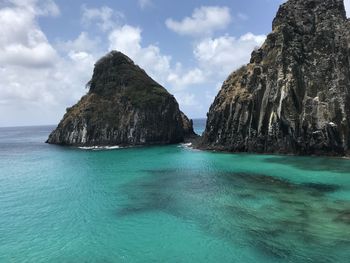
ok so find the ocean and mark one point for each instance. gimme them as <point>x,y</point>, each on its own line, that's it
<point>168,204</point>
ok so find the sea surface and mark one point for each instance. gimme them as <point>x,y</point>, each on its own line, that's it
<point>168,204</point>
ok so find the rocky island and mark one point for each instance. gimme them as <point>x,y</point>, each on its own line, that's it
<point>124,106</point>
<point>294,95</point>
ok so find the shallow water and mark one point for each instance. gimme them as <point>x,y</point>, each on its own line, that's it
<point>168,204</point>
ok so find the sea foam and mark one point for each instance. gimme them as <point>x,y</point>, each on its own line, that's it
<point>100,148</point>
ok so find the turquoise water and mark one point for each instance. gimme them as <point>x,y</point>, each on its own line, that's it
<point>168,204</point>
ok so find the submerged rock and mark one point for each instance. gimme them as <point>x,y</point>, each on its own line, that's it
<point>124,106</point>
<point>294,95</point>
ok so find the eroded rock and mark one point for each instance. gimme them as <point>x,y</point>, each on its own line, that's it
<point>294,95</point>
<point>124,106</point>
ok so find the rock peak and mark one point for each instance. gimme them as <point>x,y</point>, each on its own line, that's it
<point>114,56</point>
<point>115,71</point>
<point>301,11</point>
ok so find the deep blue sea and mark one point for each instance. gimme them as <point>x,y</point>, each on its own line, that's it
<point>168,204</point>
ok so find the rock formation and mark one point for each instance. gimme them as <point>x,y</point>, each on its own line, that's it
<point>294,95</point>
<point>124,106</point>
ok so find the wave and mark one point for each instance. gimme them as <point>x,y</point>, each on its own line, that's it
<point>185,145</point>
<point>100,148</point>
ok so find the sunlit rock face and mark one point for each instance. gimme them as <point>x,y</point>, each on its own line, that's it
<point>294,95</point>
<point>124,106</point>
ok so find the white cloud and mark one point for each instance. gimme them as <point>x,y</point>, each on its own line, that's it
<point>37,7</point>
<point>127,39</point>
<point>22,42</point>
<point>82,43</point>
<point>105,17</point>
<point>145,3</point>
<point>41,94</point>
<point>204,21</point>
<point>187,99</point>
<point>215,57</point>
<point>181,80</point>
<point>46,7</point>
<point>36,82</point>
<point>224,54</point>
<point>347,7</point>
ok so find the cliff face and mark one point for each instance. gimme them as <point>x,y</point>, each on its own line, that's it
<point>124,106</point>
<point>294,95</point>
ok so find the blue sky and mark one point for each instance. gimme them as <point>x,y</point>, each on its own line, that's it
<point>48,49</point>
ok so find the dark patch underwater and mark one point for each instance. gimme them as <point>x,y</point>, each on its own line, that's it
<point>275,214</point>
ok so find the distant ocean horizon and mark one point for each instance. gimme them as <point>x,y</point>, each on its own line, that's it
<point>199,125</point>
<point>168,204</point>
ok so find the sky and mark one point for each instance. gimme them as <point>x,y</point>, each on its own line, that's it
<point>48,49</point>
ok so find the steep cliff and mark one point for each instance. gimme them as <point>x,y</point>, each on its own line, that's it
<point>124,106</point>
<point>294,95</point>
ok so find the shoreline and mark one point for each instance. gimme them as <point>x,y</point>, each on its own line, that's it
<point>194,143</point>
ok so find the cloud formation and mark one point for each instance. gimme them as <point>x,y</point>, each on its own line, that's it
<point>223,54</point>
<point>216,57</point>
<point>347,6</point>
<point>204,21</point>
<point>22,43</point>
<point>105,17</point>
<point>145,3</point>
<point>39,78</point>
<point>37,81</point>
<point>128,39</point>
<point>44,78</point>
